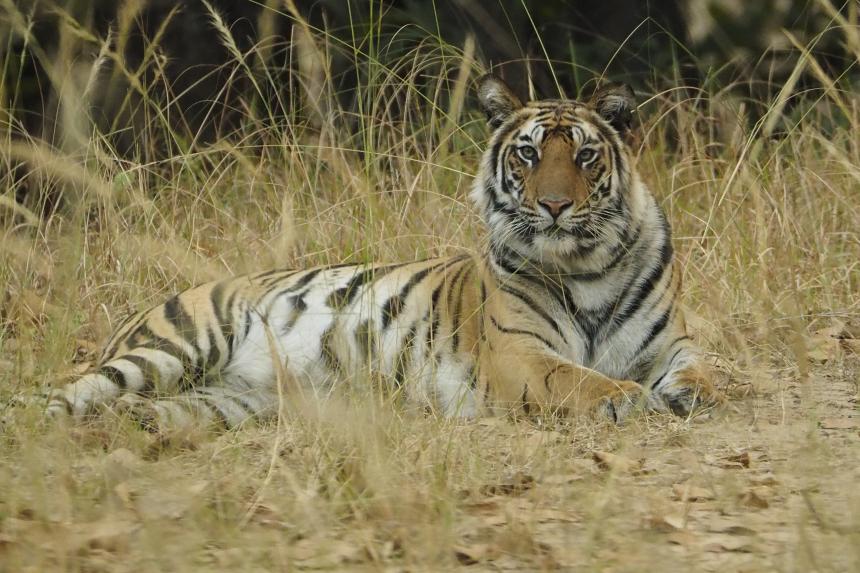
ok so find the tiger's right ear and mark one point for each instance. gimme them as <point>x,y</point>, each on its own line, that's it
<point>497,100</point>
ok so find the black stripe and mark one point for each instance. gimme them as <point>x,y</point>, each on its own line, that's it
<point>175,314</point>
<point>119,336</point>
<point>659,380</point>
<point>525,400</point>
<point>343,296</point>
<point>214,357</point>
<point>327,350</point>
<point>224,319</point>
<point>507,330</point>
<point>535,307</point>
<point>299,308</point>
<point>70,410</point>
<point>646,287</point>
<point>365,338</point>
<point>403,356</point>
<point>619,252</point>
<point>298,285</point>
<point>458,307</point>
<point>656,329</point>
<point>143,336</point>
<point>211,403</point>
<point>149,372</point>
<point>392,307</point>
<point>114,375</point>
<point>432,317</point>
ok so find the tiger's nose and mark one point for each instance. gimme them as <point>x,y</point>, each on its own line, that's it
<point>555,206</point>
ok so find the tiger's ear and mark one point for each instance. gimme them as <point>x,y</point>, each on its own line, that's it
<point>615,103</point>
<point>497,100</point>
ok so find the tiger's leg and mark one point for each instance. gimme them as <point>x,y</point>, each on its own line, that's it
<point>141,371</point>
<point>162,351</point>
<point>218,407</point>
<point>682,382</point>
<point>516,381</point>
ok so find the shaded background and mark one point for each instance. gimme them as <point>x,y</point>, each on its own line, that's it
<point>169,59</point>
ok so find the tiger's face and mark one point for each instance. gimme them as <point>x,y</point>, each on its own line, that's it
<point>555,180</point>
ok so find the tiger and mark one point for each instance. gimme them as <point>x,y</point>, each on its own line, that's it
<point>571,308</point>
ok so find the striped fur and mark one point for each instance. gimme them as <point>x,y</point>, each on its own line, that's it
<point>572,308</point>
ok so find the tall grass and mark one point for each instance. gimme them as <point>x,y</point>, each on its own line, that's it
<point>765,220</point>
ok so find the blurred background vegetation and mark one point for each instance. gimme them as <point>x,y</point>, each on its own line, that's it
<point>161,77</point>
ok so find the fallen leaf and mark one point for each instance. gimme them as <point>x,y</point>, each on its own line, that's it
<point>687,492</point>
<point>741,460</point>
<point>613,462</point>
<point>543,438</point>
<point>665,523</point>
<point>514,484</point>
<point>719,543</point>
<point>837,329</point>
<point>326,553</point>
<point>543,515</point>
<point>110,535</point>
<point>823,348</point>
<point>682,537</point>
<point>728,525</point>
<point>752,498</point>
<point>267,516</point>
<point>474,553</point>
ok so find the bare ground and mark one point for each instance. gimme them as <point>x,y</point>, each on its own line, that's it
<point>767,483</point>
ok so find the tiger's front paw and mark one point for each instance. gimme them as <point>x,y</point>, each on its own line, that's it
<point>691,391</point>
<point>620,402</point>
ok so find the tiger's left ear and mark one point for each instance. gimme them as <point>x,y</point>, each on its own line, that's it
<point>615,104</point>
<point>497,100</point>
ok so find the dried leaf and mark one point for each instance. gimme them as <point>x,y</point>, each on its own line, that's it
<point>741,460</point>
<point>514,484</point>
<point>687,492</point>
<point>543,515</point>
<point>728,525</point>
<point>613,462</point>
<point>720,543</point>
<point>823,348</point>
<point>753,498</point>
<point>682,537</point>
<point>665,523</point>
<point>837,329</point>
<point>108,535</point>
<point>474,553</point>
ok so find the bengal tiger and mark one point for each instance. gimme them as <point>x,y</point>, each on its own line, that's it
<point>572,309</point>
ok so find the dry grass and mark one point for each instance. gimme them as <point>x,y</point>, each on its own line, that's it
<point>768,230</point>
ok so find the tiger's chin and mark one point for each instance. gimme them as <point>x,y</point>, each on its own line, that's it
<point>556,242</point>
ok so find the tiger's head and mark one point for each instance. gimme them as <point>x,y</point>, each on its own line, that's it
<point>556,183</point>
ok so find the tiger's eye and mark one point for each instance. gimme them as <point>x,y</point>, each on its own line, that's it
<point>527,152</point>
<point>585,155</point>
